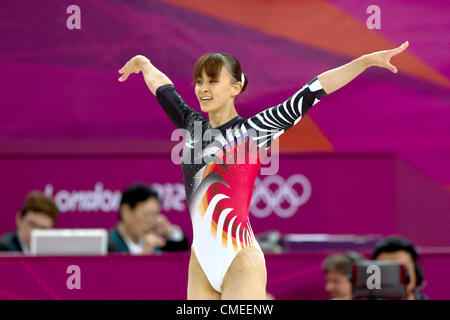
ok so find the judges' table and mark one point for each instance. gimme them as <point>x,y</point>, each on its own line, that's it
<point>116,276</point>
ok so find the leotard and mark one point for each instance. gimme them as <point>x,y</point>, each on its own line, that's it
<point>218,185</point>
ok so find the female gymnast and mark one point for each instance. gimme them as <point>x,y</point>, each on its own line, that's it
<point>226,261</point>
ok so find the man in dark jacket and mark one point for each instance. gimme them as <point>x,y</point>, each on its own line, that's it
<point>37,212</point>
<point>142,229</point>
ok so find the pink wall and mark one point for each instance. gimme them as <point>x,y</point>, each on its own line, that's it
<point>349,193</point>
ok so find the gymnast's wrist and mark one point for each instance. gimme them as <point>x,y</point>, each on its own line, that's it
<point>144,63</point>
<point>366,61</point>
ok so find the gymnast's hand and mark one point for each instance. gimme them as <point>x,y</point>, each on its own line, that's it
<point>382,58</point>
<point>134,65</point>
<point>336,78</point>
<point>152,76</point>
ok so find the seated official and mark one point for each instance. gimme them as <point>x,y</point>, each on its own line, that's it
<point>37,212</point>
<point>142,229</point>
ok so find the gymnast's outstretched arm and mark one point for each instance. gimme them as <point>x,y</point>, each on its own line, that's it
<point>164,90</point>
<point>335,79</point>
<point>152,76</point>
<point>276,120</point>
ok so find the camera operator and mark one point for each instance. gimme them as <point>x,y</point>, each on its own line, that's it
<point>400,250</point>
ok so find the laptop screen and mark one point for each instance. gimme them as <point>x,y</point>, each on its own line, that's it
<point>69,242</point>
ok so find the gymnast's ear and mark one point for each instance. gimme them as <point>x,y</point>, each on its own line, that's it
<point>237,88</point>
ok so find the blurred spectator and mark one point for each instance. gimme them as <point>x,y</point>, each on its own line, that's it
<point>142,229</point>
<point>338,270</point>
<point>400,250</point>
<point>37,212</point>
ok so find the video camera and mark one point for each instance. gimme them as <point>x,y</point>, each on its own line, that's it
<point>379,280</point>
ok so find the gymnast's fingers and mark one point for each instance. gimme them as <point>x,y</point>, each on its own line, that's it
<point>400,49</point>
<point>124,77</point>
<point>392,67</point>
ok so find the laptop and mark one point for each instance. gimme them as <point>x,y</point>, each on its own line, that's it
<point>69,242</point>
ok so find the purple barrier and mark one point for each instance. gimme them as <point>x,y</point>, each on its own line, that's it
<point>290,276</point>
<point>332,193</point>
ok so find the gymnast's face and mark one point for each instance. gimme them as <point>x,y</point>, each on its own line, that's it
<point>218,93</point>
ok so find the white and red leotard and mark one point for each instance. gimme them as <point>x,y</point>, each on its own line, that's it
<point>218,181</point>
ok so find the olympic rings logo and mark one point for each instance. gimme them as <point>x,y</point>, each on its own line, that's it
<point>285,192</point>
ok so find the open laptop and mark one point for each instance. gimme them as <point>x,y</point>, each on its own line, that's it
<point>69,242</point>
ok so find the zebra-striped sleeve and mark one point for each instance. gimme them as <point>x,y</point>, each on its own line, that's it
<point>272,122</point>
